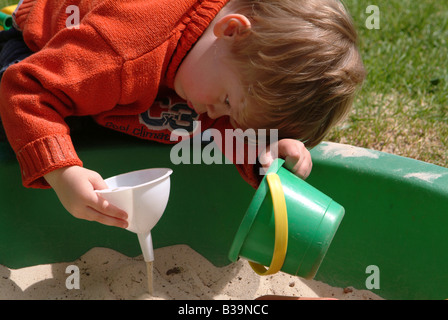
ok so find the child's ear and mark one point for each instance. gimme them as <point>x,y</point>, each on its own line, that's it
<point>231,25</point>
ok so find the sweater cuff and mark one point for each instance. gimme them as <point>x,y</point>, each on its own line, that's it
<point>44,155</point>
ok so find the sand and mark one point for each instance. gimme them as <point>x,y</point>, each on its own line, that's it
<point>179,273</point>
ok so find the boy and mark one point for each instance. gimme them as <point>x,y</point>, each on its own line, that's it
<point>284,64</point>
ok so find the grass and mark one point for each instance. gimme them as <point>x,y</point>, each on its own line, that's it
<point>4,3</point>
<point>403,105</point>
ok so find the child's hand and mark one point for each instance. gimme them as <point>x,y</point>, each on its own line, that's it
<point>75,188</point>
<point>296,155</point>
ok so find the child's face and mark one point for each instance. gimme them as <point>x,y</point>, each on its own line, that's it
<point>210,85</point>
<point>207,78</point>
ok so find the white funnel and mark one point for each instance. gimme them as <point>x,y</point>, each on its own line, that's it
<point>143,195</point>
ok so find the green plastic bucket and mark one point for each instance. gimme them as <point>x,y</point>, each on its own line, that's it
<point>297,244</point>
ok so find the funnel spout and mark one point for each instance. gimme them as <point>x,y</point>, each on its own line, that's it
<point>145,241</point>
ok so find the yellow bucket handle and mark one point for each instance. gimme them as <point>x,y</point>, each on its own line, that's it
<point>281,228</point>
<point>9,9</point>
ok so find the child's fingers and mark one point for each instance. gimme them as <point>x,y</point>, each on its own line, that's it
<point>300,167</point>
<point>297,157</point>
<point>102,210</point>
<point>108,210</point>
<point>97,181</point>
<point>93,215</point>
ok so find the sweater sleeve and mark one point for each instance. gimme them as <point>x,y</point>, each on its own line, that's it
<point>76,73</point>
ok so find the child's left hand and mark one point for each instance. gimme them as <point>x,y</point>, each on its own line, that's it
<point>296,155</point>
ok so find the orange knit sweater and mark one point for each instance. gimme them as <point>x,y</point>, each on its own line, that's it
<point>112,67</point>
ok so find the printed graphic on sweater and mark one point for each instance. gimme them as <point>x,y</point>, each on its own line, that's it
<point>166,114</point>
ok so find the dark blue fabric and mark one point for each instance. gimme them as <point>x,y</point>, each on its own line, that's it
<point>12,49</point>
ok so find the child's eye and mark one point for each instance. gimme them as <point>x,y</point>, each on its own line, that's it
<point>227,102</point>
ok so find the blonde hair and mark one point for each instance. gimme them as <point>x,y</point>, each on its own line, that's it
<point>300,65</point>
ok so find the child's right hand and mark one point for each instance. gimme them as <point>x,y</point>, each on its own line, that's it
<point>75,186</point>
<point>297,157</point>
